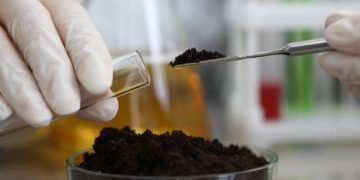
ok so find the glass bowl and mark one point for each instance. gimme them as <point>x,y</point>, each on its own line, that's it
<point>266,172</point>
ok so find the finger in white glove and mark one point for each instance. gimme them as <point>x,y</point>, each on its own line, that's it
<point>91,60</point>
<point>336,16</point>
<point>5,109</point>
<point>31,28</point>
<point>345,67</point>
<point>343,32</point>
<point>18,86</point>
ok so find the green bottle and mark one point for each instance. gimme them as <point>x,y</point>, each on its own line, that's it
<point>300,77</point>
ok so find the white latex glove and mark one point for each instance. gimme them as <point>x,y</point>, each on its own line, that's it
<point>49,51</point>
<point>343,33</point>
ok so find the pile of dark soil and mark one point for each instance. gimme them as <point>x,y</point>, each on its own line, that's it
<point>122,151</point>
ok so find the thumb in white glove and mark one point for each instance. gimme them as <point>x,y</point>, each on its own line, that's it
<point>343,33</point>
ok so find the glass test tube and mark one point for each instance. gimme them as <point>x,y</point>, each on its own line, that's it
<point>129,74</point>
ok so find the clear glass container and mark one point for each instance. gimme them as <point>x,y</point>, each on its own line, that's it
<point>266,172</point>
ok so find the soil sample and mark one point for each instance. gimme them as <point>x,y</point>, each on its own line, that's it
<point>122,151</point>
<point>194,56</point>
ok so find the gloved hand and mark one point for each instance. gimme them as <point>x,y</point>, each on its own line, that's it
<point>343,34</point>
<point>49,53</point>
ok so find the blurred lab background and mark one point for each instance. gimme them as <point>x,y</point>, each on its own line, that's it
<point>287,104</point>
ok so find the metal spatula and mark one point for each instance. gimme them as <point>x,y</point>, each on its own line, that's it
<point>291,49</point>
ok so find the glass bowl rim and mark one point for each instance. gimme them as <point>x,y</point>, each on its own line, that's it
<point>272,164</point>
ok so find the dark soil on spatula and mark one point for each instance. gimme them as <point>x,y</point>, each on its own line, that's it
<point>194,56</point>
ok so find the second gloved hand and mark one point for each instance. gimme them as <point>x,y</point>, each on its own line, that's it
<point>343,33</point>
<point>49,53</point>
